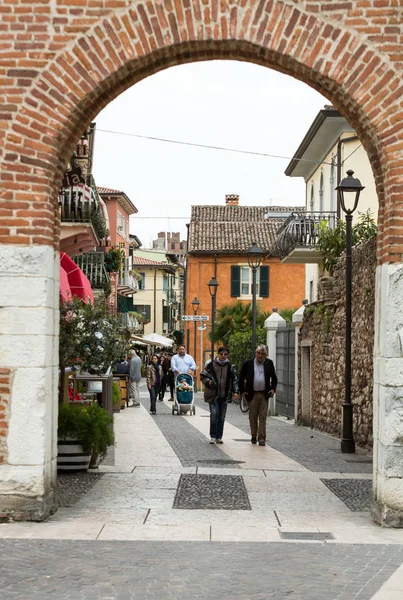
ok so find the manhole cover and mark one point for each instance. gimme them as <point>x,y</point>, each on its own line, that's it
<point>306,535</point>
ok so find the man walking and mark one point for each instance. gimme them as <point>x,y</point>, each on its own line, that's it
<point>257,383</point>
<point>183,363</point>
<point>135,378</point>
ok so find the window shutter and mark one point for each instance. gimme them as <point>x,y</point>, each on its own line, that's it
<point>235,281</point>
<point>165,314</point>
<point>147,309</point>
<point>264,282</point>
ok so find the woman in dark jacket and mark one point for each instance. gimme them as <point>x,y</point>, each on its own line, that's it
<point>220,386</point>
<point>154,378</point>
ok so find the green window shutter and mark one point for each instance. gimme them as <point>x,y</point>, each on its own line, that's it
<point>264,282</point>
<point>147,309</point>
<point>235,281</point>
<point>165,314</point>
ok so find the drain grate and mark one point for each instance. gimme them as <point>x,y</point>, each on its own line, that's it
<point>221,461</point>
<point>242,440</point>
<point>306,535</point>
<point>211,492</point>
<point>363,460</point>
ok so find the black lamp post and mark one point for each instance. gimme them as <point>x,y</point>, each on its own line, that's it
<point>255,255</point>
<point>349,191</point>
<point>195,306</point>
<point>212,288</point>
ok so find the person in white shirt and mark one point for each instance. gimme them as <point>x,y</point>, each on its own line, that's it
<point>183,363</point>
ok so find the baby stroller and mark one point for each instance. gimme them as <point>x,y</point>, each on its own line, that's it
<point>183,402</point>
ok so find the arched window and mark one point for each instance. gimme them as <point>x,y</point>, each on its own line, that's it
<point>321,192</point>
<point>312,205</point>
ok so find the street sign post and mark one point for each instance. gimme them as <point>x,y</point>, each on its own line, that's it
<point>195,318</point>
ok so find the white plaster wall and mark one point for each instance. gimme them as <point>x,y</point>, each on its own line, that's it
<point>29,317</point>
<point>388,388</point>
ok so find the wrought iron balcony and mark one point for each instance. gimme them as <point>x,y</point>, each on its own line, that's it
<point>128,321</point>
<point>93,265</point>
<point>297,238</point>
<point>77,204</point>
<point>127,284</point>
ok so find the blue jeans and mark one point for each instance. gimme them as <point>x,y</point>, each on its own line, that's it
<point>218,410</point>
<point>153,397</point>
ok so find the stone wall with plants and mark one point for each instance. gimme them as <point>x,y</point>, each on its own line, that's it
<point>324,327</point>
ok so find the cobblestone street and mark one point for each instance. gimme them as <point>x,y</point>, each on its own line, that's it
<point>170,515</point>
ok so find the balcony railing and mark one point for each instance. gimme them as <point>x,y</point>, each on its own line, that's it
<point>128,321</point>
<point>93,265</point>
<point>77,204</point>
<point>127,284</point>
<point>301,230</point>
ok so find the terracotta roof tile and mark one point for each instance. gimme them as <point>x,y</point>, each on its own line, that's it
<point>139,260</point>
<point>104,190</point>
<point>234,228</point>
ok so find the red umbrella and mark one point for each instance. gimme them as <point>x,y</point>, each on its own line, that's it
<point>78,281</point>
<point>65,291</point>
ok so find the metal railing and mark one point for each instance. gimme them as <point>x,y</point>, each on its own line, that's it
<point>93,265</point>
<point>301,230</point>
<point>77,204</point>
<point>127,283</point>
<point>127,320</point>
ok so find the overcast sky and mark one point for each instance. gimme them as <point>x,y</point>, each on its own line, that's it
<point>219,103</point>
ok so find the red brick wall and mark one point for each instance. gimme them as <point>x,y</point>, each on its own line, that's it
<point>60,66</point>
<point>5,393</point>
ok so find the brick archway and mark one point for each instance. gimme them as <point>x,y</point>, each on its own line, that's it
<point>75,62</point>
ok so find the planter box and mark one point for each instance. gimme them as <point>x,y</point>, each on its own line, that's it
<point>70,456</point>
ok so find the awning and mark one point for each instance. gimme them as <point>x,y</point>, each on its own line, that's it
<point>65,291</point>
<point>78,281</point>
<point>158,340</point>
<point>137,339</point>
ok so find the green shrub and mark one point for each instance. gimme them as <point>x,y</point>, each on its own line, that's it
<point>89,424</point>
<point>116,394</point>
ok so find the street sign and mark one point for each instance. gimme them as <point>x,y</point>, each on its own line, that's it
<point>195,318</point>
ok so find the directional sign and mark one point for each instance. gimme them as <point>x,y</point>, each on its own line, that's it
<point>195,318</point>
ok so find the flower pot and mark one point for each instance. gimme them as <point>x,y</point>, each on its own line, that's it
<point>70,456</point>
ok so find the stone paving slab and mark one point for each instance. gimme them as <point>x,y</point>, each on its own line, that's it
<point>150,570</point>
<point>313,450</point>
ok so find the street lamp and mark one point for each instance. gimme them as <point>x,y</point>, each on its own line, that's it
<point>212,288</point>
<point>195,306</point>
<point>348,190</point>
<point>255,255</point>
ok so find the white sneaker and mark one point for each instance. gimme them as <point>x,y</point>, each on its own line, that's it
<point>212,440</point>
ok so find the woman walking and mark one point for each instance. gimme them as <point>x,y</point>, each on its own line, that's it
<point>154,379</point>
<point>220,386</point>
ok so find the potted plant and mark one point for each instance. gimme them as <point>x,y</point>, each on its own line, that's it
<point>84,431</point>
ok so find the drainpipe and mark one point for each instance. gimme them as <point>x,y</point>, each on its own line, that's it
<point>155,301</point>
<point>339,145</point>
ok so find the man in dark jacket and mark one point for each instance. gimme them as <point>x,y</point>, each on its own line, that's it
<point>220,386</point>
<point>257,383</point>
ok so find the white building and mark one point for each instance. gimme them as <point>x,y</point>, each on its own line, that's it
<point>329,149</point>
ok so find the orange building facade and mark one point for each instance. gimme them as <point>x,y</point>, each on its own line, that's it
<point>219,237</point>
<point>286,290</point>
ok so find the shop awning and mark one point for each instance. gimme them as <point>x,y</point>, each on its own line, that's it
<point>78,281</point>
<point>65,291</point>
<point>158,340</point>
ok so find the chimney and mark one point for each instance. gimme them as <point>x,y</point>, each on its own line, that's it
<point>231,199</point>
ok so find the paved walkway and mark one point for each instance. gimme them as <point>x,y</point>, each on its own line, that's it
<point>177,517</point>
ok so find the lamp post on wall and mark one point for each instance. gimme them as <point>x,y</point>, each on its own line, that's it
<point>195,306</point>
<point>348,190</point>
<point>255,255</point>
<point>212,288</point>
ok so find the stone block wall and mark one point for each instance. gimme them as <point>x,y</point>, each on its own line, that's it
<point>324,327</point>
